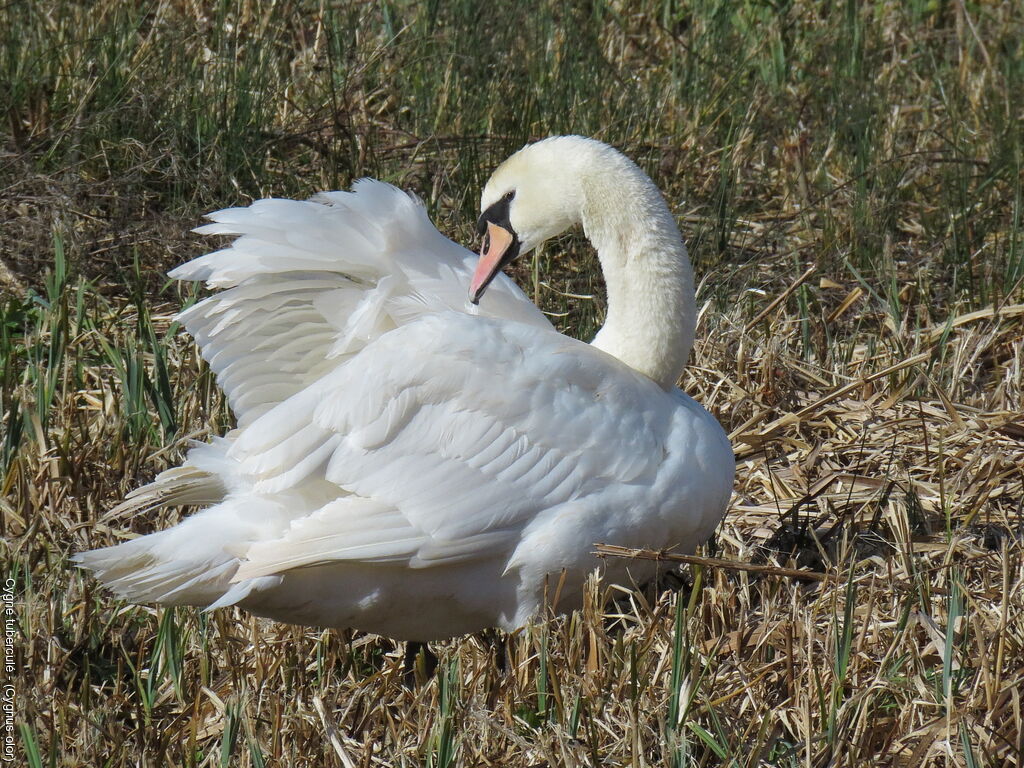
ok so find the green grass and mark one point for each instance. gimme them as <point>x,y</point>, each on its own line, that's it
<point>877,421</point>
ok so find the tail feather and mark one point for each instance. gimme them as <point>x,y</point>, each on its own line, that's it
<point>206,478</point>
<point>178,487</point>
<point>136,571</point>
<point>192,563</point>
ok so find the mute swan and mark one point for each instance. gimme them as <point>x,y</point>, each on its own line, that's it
<point>411,465</point>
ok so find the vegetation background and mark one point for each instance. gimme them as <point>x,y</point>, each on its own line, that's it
<point>848,176</point>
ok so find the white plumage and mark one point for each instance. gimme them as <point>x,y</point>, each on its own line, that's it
<point>411,465</point>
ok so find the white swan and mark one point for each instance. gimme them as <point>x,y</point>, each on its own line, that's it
<point>406,464</point>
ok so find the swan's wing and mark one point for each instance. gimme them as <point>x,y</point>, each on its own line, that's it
<point>308,284</point>
<point>451,434</point>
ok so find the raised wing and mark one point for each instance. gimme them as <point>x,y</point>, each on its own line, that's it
<point>450,435</point>
<point>308,284</point>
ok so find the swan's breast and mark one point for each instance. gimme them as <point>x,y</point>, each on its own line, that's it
<point>695,480</point>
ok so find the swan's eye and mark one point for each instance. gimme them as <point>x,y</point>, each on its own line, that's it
<point>496,213</point>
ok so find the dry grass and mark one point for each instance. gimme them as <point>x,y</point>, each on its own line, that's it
<point>853,195</point>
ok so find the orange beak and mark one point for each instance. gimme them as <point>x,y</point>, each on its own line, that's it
<point>499,248</point>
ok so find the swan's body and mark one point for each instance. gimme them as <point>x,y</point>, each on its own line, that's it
<point>406,465</point>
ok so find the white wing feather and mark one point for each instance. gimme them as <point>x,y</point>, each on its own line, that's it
<point>306,286</point>
<point>467,440</point>
<point>310,283</point>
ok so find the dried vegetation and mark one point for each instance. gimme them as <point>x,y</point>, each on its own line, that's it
<point>849,178</point>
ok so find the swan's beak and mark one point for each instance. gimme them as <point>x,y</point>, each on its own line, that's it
<point>499,248</point>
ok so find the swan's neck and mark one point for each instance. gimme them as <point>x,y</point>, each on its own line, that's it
<point>651,308</point>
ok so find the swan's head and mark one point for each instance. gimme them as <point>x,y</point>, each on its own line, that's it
<point>534,195</point>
